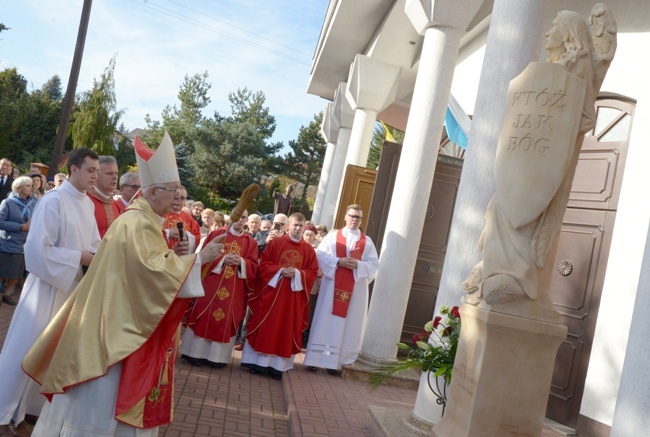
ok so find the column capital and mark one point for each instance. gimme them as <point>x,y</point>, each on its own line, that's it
<point>372,84</point>
<point>329,129</point>
<point>456,14</point>
<point>342,111</point>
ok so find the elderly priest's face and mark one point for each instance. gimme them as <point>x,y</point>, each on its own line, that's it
<point>161,197</point>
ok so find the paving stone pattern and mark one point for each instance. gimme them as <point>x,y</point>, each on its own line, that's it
<point>230,402</point>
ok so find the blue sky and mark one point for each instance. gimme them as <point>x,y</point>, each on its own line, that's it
<point>263,45</point>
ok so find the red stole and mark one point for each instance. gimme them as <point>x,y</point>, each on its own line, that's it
<point>147,382</point>
<point>344,277</point>
<point>106,210</point>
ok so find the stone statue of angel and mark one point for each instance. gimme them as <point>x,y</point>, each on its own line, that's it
<point>550,107</point>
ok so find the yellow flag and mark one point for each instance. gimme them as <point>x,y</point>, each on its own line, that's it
<point>389,136</point>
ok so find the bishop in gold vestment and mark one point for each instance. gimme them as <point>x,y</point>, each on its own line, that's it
<point>106,360</point>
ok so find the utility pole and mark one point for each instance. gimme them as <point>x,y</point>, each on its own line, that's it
<point>68,100</point>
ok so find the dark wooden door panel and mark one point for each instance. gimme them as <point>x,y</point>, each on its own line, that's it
<point>435,235</point>
<point>583,250</point>
<point>433,246</point>
<point>599,173</point>
<point>595,179</point>
<point>575,289</point>
<point>380,204</point>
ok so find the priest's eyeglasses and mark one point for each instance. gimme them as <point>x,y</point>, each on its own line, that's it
<point>354,217</point>
<point>172,189</point>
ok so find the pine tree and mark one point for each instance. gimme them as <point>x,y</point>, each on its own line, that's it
<point>305,161</point>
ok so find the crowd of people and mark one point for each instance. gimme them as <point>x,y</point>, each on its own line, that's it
<point>165,276</point>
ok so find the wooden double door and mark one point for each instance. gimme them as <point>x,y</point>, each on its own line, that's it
<point>583,251</point>
<point>435,233</point>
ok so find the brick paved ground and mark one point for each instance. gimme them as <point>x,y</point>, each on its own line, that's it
<point>231,402</point>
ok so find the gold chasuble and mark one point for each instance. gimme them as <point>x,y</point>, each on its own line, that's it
<point>124,310</point>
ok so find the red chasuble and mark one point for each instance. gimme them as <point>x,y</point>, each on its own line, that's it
<point>279,315</point>
<point>189,224</point>
<point>217,315</point>
<point>344,277</point>
<point>106,211</point>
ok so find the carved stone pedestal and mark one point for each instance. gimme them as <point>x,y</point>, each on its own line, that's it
<point>502,375</point>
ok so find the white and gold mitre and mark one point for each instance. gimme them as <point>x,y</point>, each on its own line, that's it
<point>156,166</point>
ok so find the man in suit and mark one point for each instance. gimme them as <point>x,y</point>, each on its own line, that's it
<point>6,177</point>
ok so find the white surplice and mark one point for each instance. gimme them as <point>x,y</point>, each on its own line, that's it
<point>62,227</point>
<point>334,340</point>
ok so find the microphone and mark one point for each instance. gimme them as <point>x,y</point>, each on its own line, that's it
<point>179,226</point>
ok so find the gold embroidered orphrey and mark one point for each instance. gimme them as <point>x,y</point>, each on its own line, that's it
<point>342,295</point>
<point>231,247</point>
<point>291,258</point>
<point>218,314</point>
<point>228,272</point>
<point>223,293</point>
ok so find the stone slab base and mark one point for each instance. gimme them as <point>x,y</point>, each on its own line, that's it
<point>502,375</point>
<point>561,429</point>
<point>363,369</point>
<point>592,428</point>
<point>385,422</point>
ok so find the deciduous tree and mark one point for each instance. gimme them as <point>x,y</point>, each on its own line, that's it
<point>95,119</point>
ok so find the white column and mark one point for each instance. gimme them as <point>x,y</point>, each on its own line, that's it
<point>361,137</point>
<point>336,178</point>
<point>343,116</point>
<point>372,86</point>
<point>415,173</point>
<point>330,132</point>
<point>633,403</point>
<point>514,40</point>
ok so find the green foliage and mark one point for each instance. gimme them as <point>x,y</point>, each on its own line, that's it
<point>266,202</point>
<point>12,85</point>
<point>305,161</point>
<point>248,107</point>
<point>434,351</point>
<point>94,121</point>
<point>228,156</point>
<point>232,152</point>
<point>378,138</point>
<point>194,97</point>
<point>28,121</point>
<point>125,154</point>
<point>181,123</point>
<point>52,88</point>
<point>185,172</point>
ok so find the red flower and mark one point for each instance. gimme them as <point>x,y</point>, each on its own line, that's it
<point>436,322</point>
<point>447,331</point>
<point>416,338</point>
<point>455,312</point>
<point>424,335</point>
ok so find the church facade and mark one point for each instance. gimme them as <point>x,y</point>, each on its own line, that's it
<point>399,62</point>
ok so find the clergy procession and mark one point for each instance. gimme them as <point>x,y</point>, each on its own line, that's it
<point>115,290</point>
